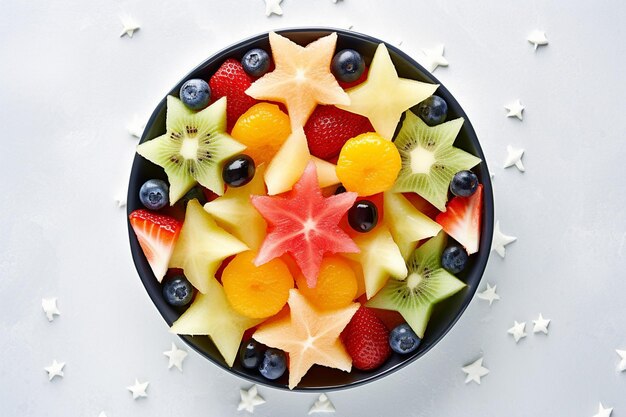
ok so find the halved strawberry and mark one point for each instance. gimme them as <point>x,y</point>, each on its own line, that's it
<point>461,220</point>
<point>366,339</point>
<point>157,235</point>
<point>231,80</point>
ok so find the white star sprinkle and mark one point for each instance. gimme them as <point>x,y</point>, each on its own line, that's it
<point>130,26</point>
<point>489,294</point>
<point>120,199</point>
<point>603,412</point>
<point>322,405</point>
<point>273,6</point>
<point>434,58</point>
<point>537,37</point>
<point>249,399</point>
<point>514,157</point>
<point>56,369</point>
<point>475,371</point>
<point>541,325</point>
<point>515,109</point>
<point>102,414</point>
<point>49,306</point>
<point>138,389</point>
<point>622,365</point>
<point>177,356</point>
<point>500,240</point>
<point>136,126</point>
<point>518,331</point>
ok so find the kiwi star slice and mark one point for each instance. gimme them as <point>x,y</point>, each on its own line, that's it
<point>427,284</point>
<point>193,147</point>
<point>429,159</point>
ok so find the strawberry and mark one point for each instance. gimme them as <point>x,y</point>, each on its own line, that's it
<point>461,220</point>
<point>367,340</point>
<point>157,236</point>
<point>232,81</point>
<point>328,128</point>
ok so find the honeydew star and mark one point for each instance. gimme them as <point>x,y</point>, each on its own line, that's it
<point>49,306</point>
<point>489,294</point>
<point>56,369</point>
<point>541,324</point>
<point>518,331</point>
<point>603,412</point>
<point>176,357</point>
<point>500,240</point>
<point>130,26</point>
<point>514,157</point>
<point>622,365</point>
<point>273,7</point>
<point>515,109</point>
<point>322,405</point>
<point>249,399</point>
<point>434,58</point>
<point>384,96</point>
<point>138,389</point>
<point>475,371</point>
<point>537,38</point>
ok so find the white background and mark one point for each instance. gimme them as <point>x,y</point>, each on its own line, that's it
<point>69,85</point>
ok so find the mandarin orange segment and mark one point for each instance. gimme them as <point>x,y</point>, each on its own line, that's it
<point>256,291</point>
<point>336,284</point>
<point>368,164</point>
<point>263,129</point>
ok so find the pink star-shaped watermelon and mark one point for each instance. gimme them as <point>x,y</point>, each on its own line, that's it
<point>304,224</point>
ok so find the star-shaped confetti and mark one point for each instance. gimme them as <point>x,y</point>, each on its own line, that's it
<point>130,26</point>
<point>518,331</point>
<point>56,369</point>
<point>136,126</point>
<point>537,38</point>
<point>249,399</point>
<point>500,240</point>
<point>603,412</point>
<point>138,389</point>
<point>541,324</point>
<point>514,157</point>
<point>489,294</point>
<point>475,371</point>
<point>176,356</point>
<point>434,58</point>
<point>102,414</point>
<point>49,306</point>
<point>322,405</point>
<point>273,7</point>
<point>120,199</point>
<point>622,365</point>
<point>515,109</point>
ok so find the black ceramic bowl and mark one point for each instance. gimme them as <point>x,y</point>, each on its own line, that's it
<point>445,313</point>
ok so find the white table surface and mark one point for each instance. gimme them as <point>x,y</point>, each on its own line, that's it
<point>69,85</point>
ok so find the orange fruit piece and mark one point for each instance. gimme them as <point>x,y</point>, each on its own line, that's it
<point>368,164</point>
<point>263,129</point>
<point>256,291</point>
<point>336,284</point>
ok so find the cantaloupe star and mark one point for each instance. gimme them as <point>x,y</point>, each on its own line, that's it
<point>384,96</point>
<point>309,335</point>
<point>302,78</point>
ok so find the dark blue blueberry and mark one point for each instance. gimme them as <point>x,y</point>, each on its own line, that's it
<point>454,259</point>
<point>274,364</point>
<point>347,65</point>
<point>403,340</point>
<point>195,94</point>
<point>363,216</point>
<point>238,171</point>
<point>177,291</point>
<point>256,62</point>
<point>154,194</point>
<point>250,354</point>
<point>433,111</point>
<point>464,183</point>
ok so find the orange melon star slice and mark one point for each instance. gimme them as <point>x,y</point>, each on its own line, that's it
<point>309,335</point>
<point>302,78</point>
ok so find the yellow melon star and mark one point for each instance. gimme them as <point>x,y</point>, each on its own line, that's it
<point>309,335</point>
<point>302,78</point>
<point>383,97</point>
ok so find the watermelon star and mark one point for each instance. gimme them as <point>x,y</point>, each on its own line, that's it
<point>304,224</point>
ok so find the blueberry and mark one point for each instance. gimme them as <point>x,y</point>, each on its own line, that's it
<point>250,354</point>
<point>363,216</point>
<point>454,259</point>
<point>433,111</point>
<point>177,291</point>
<point>403,340</point>
<point>238,171</point>
<point>154,194</point>
<point>274,364</point>
<point>195,94</point>
<point>340,190</point>
<point>195,193</point>
<point>256,62</point>
<point>464,183</point>
<point>347,65</point>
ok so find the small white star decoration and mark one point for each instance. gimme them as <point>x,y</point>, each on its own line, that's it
<point>622,365</point>
<point>489,294</point>
<point>249,399</point>
<point>136,126</point>
<point>541,324</point>
<point>130,26</point>
<point>434,58</point>
<point>102,414</point>
<point>537,38</point>
<point>120,199</point>
<point>475,371</point>
<point>518,331</point>
<point>273,6</point>
<point>56,369</point>
<point>515,109</point>
<point>138,389</point>
<point>603,412</point>
<point>322,405</point>
<point>500,240</point>
<point>49,306</point>
<point>514,157</point>
<point>176,356</point>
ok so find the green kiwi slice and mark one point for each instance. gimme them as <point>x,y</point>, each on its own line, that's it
<point>429,161</point>
<point>426,284</point>
<point>193,148</point>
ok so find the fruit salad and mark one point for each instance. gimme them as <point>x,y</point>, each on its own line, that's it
<point>311,195</point>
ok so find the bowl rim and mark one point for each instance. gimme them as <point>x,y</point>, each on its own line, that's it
<point>487,224</point>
